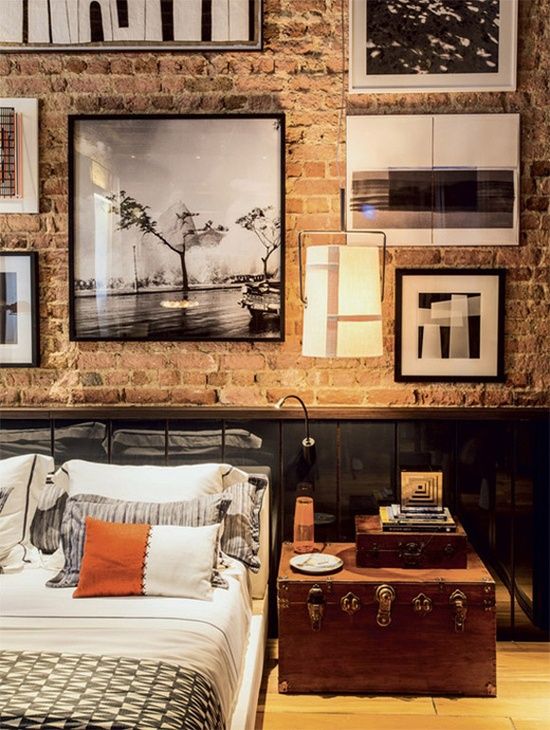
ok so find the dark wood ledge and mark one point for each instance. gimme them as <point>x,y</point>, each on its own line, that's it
<point>228,413</point>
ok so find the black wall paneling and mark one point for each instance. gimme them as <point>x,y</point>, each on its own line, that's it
<point>494,461</point>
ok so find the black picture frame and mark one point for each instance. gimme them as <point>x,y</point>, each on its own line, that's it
<point>426,302</point>
<point>135,187</point>
<point>196,25</point>
<point>19,310</point>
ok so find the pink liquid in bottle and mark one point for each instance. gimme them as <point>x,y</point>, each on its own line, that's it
<point>303,525</point>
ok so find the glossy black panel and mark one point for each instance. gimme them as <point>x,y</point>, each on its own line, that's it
<point>252,443</point>
<point>427,446</point>
<point>367,471</point>
<point>323,476</point>
<point>194,442</point>
<point>88,440</point>
<point>25,437</point>
<point>138,442</point>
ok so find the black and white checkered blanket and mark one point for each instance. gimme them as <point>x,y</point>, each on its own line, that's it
<point>85,692</point>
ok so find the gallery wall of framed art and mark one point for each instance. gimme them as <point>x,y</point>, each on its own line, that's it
<point>212,315</point>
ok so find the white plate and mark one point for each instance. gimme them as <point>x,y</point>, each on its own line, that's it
<point>316,563</point>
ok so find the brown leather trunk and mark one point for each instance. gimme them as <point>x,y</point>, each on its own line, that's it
<point>341,633</point>
<point>379,549</point>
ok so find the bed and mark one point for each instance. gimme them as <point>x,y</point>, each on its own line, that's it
<point>134,661</point>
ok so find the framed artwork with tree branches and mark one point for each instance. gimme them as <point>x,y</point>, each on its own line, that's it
<point>177,227</point>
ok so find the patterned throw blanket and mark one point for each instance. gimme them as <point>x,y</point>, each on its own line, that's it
<point>83,691</point>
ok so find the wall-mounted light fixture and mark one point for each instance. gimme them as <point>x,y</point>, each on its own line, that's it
<point>308,443</point>
<point>343,297</point>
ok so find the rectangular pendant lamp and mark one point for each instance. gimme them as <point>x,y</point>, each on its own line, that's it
<point>343,311</point>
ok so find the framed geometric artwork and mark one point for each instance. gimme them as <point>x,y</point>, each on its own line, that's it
<point>435,180</point>
<point>433,45</point>
<point>130,25</point>
<point>18,155</point>
<point>449,325</point>
<point>19,309</point>
<point>176,227</point>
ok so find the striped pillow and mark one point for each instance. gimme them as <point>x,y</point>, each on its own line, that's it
<point>208,510</point>
<point>46,523</point>
<point>241,532</point>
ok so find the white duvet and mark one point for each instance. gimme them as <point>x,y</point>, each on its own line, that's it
<point>208,636</point>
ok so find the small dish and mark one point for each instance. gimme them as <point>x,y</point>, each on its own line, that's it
<point>316,563</point>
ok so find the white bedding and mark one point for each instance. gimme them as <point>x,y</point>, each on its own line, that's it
<point>207,636</point>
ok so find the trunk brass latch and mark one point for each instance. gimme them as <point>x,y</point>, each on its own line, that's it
<point>422,604</point>
<point>316,607</point>
<point>385,595</point>
<point>411,553</point>
<point>459,601</point>
<point>350,603</point>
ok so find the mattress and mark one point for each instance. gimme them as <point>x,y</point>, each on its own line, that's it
<point>209,637</point>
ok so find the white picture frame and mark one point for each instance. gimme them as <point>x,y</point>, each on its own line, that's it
<point>392,54</point>
<point>435,180</point>
<point>19,309</point>
<point>28,199</point>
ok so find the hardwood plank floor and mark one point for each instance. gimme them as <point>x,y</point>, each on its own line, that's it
<point>523,701</point>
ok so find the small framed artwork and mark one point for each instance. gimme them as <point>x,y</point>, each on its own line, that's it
<point>449,325</point>
<point>176,227</point>
<point>18,155</point>
<point>435,179</point>
<point>421,491</point>
<point>130,25</point>
<point>405,46</point>
<point>19,309</point>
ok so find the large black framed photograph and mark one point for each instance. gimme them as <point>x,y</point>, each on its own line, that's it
<point>433,45</point>
<point>176,227</point>
<point>19,318</point>
<point>130,25</point>
<point>449,325</point>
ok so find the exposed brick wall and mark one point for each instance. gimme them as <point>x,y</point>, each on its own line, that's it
<point>298,73</point>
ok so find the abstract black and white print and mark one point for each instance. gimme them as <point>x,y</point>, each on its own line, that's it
<point>432,36</point>
<point>433,45</point>
<point>8,308</point>
<point>177,228</point>
<point>449,325</point>
<point>434,198</point>
<point>442,179</point>
<point>53,25</point>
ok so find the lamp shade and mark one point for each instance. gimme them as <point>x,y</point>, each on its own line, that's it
<point>343,314</point>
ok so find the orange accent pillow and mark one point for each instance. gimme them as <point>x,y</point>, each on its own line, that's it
<point>113,560</point>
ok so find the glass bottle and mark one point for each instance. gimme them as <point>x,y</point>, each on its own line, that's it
<point>304,541</point>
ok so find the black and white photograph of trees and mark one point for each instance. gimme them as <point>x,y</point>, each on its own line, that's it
<point>176,228</point>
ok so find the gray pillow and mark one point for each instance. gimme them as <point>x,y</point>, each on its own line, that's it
<point>241,532</point>
<point>198,512</point>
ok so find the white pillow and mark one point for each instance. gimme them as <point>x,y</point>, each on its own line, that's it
<point>147,483</point>
<point>22,478</point>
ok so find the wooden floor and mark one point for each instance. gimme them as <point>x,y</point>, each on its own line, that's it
<point>523,702</point>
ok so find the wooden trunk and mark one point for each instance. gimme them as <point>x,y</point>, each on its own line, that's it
<point>341,633</point>
<point>378,549</point>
